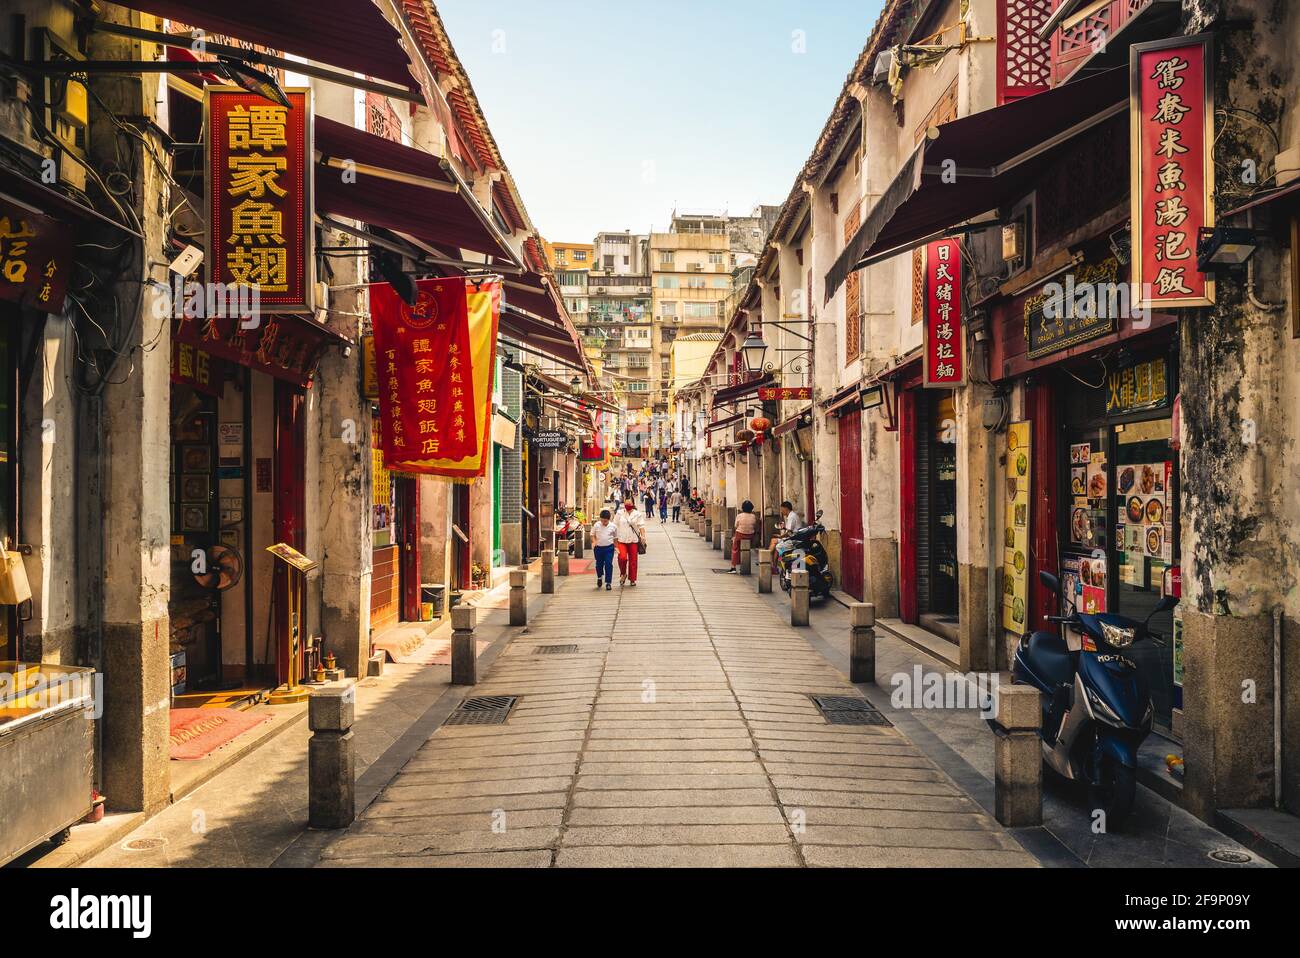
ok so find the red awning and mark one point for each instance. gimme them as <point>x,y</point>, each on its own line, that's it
<point>994,155</point>
<point>351,34</point>
<point>399,188</point>
<point>540,336</point>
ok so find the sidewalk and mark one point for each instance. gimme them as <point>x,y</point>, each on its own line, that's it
<point>676,731</point>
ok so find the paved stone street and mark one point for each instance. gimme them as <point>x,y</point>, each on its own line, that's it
<point>679,733</point>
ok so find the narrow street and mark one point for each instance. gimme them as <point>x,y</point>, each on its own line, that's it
<point>679,732</point>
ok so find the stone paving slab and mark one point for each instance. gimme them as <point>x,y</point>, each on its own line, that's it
<point>681,735</point>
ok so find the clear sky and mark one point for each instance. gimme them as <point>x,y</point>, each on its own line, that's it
<point>610,114</point>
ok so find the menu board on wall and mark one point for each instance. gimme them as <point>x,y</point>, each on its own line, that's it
<point>1015,562</point>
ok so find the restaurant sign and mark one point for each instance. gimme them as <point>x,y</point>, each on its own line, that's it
<point>259,196</point>
<point>1138,387</point>
<point>944,341</point>
<point>1171,107</point>
<point>550,439</point>
<point>285,347</point>
<point>784,393</point>
<point>35,258</point>
<point>1083,309</point>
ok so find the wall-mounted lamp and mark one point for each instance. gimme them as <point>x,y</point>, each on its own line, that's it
<point>880,395</point>
<point>1223,247</point>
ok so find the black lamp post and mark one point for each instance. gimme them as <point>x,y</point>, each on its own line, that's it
<point>753,350</point>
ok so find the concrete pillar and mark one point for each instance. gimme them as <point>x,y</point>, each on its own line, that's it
<point>977,485</point>
<point>764,570</point>
<point>518,596</point>
<point>548,571</point>
<point>562,559</point>
<point>464,650</point>
<point>1017,758</point>
<point>862,642</point>
<point>799,597</point>
<point>745,557</point>
<point>331,757</point>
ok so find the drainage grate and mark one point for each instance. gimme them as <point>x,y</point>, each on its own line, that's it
<point>848,710</point>
<point>144,844</point>
<point>1231,856</point>
<point>555,650</point>
<point>483,710</point>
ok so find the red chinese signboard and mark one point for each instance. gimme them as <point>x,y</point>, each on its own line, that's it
<point>35,257</point>
<point>434,362</point>
<point>1171,108</point>
<point>259,182</point>
<point>945,348</point>
<point>286,347</point>
<point>198,368</point>
<point>784,393</point>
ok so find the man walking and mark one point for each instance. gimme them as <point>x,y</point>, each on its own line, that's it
<point>602,539</point>
<point>629,530</point>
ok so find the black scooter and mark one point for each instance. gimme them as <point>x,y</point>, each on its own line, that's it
<point>1096,703</point>
<point>802,549</point>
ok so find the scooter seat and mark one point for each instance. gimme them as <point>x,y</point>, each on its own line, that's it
<point>1050,658</point>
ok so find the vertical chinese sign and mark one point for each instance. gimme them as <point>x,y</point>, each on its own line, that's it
<point>1171,106</point>
<point>259,181</point>
<point>435,362</point>
<point>35,258</point>
<point>1015,542</point>
<point>945,349</point>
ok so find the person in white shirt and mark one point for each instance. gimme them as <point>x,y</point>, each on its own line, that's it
<point>790,524</point>
<point>602,541</point>
<point>629,531</point>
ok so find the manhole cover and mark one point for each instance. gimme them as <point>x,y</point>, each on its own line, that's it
<point>483,710</point>
<point>144,844</point>
<point>1231,856</point>
<point>848,710</point>
<point>555,650</point>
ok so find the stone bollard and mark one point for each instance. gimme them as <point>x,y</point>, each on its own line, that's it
<point>562,559</point>
<point>518,597</point>
<point>764,570</point>
<point>726,544</point>
<point>746,564</point>
<point>331,757</point>
<point>1017,756</point>
<point>799,597</point>
<point>717,536</point>
<point>579,537</point>
<point>464,651</point>
<point>548,571</point>
<point>862,642</point>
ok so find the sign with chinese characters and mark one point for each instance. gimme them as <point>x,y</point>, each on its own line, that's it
<point>435,366</point>
<point>197,368</point>
<point>1072,323</point>
<point>35,258</point>
<point>944,341</point>
<point>1137,387</point>
<point>259,186</point>
<point>369,371</point>
<point>784,393</point>
<point>1171,107</point>
<point>1015,542</point>
<point>286,347</point>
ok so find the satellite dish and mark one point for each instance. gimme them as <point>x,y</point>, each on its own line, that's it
<point>225,566</point>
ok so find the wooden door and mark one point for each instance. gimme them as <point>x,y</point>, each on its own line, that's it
<point>852,551</point>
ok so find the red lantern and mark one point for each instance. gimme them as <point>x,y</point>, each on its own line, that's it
<point>760,425</point>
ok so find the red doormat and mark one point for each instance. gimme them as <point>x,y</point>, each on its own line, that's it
<point>197,733</point>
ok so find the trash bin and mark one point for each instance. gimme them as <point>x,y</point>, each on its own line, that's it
<point>431,600</point>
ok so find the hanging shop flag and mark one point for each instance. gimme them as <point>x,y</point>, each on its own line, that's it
<point>35,257</point>
<point>945,348</point>
<point>592,447</point>
<point>259,183</point>
<point>435,366</point>
<point>1171,107</point>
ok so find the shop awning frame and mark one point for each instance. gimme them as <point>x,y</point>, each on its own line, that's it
<point>991,153</point>
<point>730,394</point>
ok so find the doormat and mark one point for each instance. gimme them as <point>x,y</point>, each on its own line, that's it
<point>197,733</point>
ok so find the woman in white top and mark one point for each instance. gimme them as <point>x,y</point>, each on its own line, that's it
<point>629,530</point>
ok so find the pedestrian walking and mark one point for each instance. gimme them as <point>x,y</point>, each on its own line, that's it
<point>675,500</point>
<point>746,527</point>
<point>602,539</point>
<point>649,498</point>
<point>629,535</point>
<point>663,505</point>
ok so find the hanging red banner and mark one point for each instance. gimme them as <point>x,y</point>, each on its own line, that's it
<point>1171,107</point>
<point>435,363</point>
<point>945,346</point>
<point>259,183</point>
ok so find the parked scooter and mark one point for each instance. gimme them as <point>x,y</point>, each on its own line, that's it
<point>1096,703</point>
<point>565,526</point>
<point>802,549</point>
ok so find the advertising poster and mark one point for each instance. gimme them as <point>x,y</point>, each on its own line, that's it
<point>1015,566</point>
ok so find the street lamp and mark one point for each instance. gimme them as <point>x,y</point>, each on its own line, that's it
<point>753,349</point>
<point>575,386</point>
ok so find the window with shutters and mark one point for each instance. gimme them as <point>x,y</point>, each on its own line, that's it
<point>852,293</point>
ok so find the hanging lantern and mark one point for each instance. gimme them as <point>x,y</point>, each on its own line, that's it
<point>760,425</point>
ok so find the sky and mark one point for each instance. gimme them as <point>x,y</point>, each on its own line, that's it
<point>612,113</point>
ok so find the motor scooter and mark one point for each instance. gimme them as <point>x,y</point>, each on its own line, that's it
<point>1096,703</point>
<point>802,549</point>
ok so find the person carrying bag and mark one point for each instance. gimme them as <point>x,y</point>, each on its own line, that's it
<point>629,536</point>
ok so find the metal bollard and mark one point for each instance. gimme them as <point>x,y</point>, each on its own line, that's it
<point>518,597</point>
<point>562,558</point>
<point>331,757</point>
<point>862,642</point>
<point>578,538</point>
<point>464,652</point>
<point>548,571</point>
<point>764,570</point>
<point>799,597</point>
<point>1017,758</point>
<point>746,564</point>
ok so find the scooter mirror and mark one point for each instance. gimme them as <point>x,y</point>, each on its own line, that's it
<point>1051,581</point>
<point>818,516</point>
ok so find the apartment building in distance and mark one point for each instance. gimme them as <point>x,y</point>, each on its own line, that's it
<point>619,313</point>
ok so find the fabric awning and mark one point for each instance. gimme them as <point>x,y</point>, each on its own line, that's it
<point>723,423</point>
<point>731,393</point>
<point>399,188</point>
<point>839,403</point>
<point>28,192</point>
<point>994,155</point>
<point>351,34</point>
<point>543,337</point>
<point>1264,197</point>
